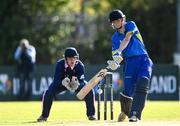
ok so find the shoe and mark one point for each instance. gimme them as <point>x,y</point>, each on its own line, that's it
<point>133,119</point>
<point>41,119</point>
<point>122,117</point>
<point>92,117</point>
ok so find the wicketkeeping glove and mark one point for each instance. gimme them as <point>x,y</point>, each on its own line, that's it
<point>74,84</point>
<point>66,83</point>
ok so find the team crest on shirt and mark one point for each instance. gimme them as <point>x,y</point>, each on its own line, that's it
<point>82,76</point>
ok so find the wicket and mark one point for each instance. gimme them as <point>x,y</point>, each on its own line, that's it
<point>107,83</point>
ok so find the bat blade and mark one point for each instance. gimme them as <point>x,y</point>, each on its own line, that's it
<point>91,84</point>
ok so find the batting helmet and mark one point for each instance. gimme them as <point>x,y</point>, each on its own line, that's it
<point>115,14</point>
<point>71,52</point>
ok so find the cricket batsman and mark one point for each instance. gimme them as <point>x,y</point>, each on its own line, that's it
<point>128,44</point>
<point>69,75</point>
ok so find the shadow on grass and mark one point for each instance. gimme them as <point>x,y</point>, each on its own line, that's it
<point>20,123</point>
<point>35,122</point>
<point>30,122</point>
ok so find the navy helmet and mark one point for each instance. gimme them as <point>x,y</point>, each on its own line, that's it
<point>115,14</point>
<point>71,52</point>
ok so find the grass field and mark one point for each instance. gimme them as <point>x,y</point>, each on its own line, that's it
<point>66,113</point>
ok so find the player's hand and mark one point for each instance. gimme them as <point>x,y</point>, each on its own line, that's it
<point>112,65</point>
<point>117,57</point>
<point>66,83</point>
<point>74,84</point>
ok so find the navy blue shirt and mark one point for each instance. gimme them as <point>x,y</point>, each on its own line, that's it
<point>135,46</point>
<point>63,70</point>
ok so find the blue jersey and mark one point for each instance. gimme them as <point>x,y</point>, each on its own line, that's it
<point>63,70</point>
<point>135,46</point>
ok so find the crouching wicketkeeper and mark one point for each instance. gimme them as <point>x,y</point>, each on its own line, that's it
<point>69,75</point>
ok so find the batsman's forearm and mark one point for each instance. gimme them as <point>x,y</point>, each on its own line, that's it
<point>125,42</point>
<point>123,46</point>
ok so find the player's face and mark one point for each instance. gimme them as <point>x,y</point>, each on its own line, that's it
<point>71,61</point>
<point>117,23</point>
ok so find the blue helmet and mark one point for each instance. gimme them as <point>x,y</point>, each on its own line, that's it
<point>115,14</point>
<point>71,52</point>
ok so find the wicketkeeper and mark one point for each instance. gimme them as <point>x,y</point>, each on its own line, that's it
<point>69,75</point>
<point>128,43</point>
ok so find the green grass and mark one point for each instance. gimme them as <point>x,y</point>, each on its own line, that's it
<point>73,113</point>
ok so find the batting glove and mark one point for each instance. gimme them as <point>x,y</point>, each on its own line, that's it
<point>112,65</point>
<point>117,57</point>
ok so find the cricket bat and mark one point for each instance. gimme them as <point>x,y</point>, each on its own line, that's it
<point>92,83</point>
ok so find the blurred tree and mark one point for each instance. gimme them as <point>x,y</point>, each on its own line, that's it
<point>53,25</point>
<point>34,20</point>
